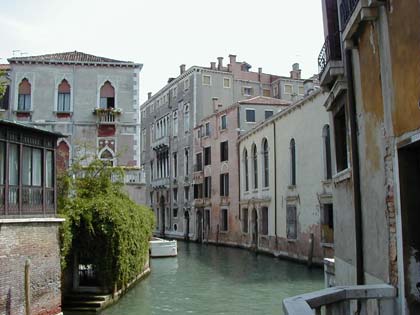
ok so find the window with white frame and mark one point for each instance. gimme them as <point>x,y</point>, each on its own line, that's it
<point>250,115</point>
<point>226,83</point>
<point>186,117</point>
<point>301,90</point>
<point>175,164</point>
<point>186,162</point>
<point>224,184</point>
<point>266,92</point>
<point>107,96</point>
<point>266,166</point>
<point>246,170</point>
<point>186,84</point>
<point>247,91</point>
<point>223,122</point>
<point>207,130</point>
<point>224,220</point>
<point>275,91</point>
<point>288,89</point>
<point>245,220</point>
<point>24,96</point>
<point>291,222</point>
<point>175,123</point>
<point>268,113</point>
<point>326,137</point>
<point>175,92</point>
<point>254,166</point>
<point>63,98</point>
<point>206,80</point>
<point>143,140</point>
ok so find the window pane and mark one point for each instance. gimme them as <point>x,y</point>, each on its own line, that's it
<point>36,167</point>
<point>268,114</point>
<point>2,161</point>
<point>27,166</point>
<point>250,115</point>
<point>49,167</point>
<point>103,102</point>
<point>13,164</point>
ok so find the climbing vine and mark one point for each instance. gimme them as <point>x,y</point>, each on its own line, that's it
<point>103,225</point>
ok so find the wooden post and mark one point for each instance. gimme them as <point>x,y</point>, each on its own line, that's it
<point>27,288</point>
<point>311,250</point>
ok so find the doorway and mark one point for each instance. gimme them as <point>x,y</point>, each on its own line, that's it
<point>254,242</point>
<point>409,173</point>
<point>162,215</point>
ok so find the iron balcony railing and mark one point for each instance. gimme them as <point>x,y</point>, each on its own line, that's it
<point>331,50</point>
<point>346,10</point>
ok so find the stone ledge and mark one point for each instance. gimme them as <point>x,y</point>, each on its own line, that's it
<point>31,220</point>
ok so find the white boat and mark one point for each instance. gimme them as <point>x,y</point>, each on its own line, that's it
<point>162,248</point>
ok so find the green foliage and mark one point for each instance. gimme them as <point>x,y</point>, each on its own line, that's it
<point>3,83</point>
<point>103,225</point>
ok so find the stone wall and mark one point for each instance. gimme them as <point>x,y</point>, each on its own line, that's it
<point>38,242</point>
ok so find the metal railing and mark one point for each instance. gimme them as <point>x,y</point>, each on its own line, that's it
<point>338,299</point>
<point>331,50</point>
<point>346,10</point>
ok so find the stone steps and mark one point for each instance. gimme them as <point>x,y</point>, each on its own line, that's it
<point>84,302</point>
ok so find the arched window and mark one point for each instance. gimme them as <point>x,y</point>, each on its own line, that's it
<point>292,162</point>
<point>255,166</point>
<point>24,96</point>
<point>246,170</point>
<point>327,151</point>
<point>63,156</point>
<point>107,157</point>
<point>186,118</point>
<point>266,165</point>
<point>107,99</point>
<point>63,100</point>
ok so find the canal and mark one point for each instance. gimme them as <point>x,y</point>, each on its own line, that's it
<point>206,279</point>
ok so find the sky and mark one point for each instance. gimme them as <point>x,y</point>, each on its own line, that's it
<point>162,34</point>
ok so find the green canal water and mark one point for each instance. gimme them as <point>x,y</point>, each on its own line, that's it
<point>206,279</point>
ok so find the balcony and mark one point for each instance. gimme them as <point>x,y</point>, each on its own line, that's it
<point>330,62</point>
<point>133,176</point>
<point>353,12</point>
<point>161,144</point>
<point>338,299</point>
<point>161,183</point>
<point>107,116</point>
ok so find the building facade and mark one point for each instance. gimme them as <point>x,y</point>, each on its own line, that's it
<point>370,67</point>
<point>168,119</point>
<point>30,278</point>
<point>286,203</point>
<point>92,100</point>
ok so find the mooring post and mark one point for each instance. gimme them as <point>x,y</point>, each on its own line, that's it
<point>311,250</point>
<point>27,288</point>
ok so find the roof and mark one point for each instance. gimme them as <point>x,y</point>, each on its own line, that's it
<point>4,67</point>
<point>71,57</point>
<point>264,100</point>
<point>19,124</point>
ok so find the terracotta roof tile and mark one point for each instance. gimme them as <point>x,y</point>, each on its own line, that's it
<point>264,100</point>
<point>5,67</point>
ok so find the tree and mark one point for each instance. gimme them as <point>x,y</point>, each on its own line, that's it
<point>103,225</point>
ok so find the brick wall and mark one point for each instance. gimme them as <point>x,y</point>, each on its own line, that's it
<point>38,242</point>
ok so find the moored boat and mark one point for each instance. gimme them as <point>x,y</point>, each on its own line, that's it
<point>163,248</point>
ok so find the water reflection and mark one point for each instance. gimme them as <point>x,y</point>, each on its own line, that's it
<point>205,279</point>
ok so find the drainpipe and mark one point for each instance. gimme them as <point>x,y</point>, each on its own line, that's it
<point>275,183</point>
<point>356,168</point>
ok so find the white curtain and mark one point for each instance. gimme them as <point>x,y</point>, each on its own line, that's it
<point>49,170</point>
<point>13,164</point>
<point>36,167</point>
<point>27,166</point>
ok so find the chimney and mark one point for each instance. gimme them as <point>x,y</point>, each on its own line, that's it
<point>213,65</point>
<point>220,64</point>
<point>149,95</point>
<point>215,106</point>
<point>259,74</point>
<point>232,59</point>
<point>296,72</point>
<point>181,69</point>
<point>170,80</point>
<point>308,86</point>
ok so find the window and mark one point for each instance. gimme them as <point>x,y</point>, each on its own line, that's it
<point>107,99</point>
<point>24,96</point>
<point>223,122</point>
<point>199,162</point>
<point>206,80</point>
<point>327,152</point>
<point>224,185</point>
<point>207,130</point>
<point>245,220</point>
<point>63,101</point>
<point>152,133</point>
<point>266,92</point>
<point>175,213</point>
<point>207,187</point>
<point>327,224</point>
<point>247,91</point>
<point>186,118</point>
<point>107,157</point>
<point>301,90</point>
<point>151,198</point>
<point>250,115</point>
<point>49,170</point>
<point>175,123</point>
<point>246,170</point>
<point>175,194</point>
<point>2,162</point>
<point>292,162</point>
<point>175,164</point>
<point>224,220</point>
<point>288,89</point>
<point>198,191</point>
<point>224,151</point>
<point>264,221</point>
<point>255,166</point>
<point>226,83</point>
<point>268,113</point>
<point>207,156</point>
<point>340,132</point>
<point>276,91</point>
<point>186,84</point>
<point>207,219</point>
<point>291,229</point>
<point>152,175</point>
<point>143,140</point>
<point>31,166</point>
<point>266,166</point>
<point>13,164</point>
<point>174,92</point>
<point>186,193</point>
<point>4,101</point>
